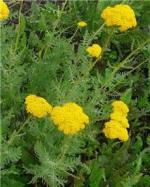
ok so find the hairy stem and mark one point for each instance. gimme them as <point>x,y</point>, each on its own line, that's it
<point>96,33</point>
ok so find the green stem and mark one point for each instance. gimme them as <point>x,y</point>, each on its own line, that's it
<point>96,33</point>
<point>74,34</point>
<point>107,42</point>
<point>132,70</point>
<point>93,64</point>
<point>80,79</point>
<point>131,54</point>
<point>59,16</point>
<point>65,146</point>
<point>18,33</point>
<point>125,61</point>
<point>138,66</point>
<point>59,33</point>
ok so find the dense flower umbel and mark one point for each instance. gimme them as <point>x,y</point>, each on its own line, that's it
<point>114,130</point>
<point>117,116</point>
<point>82,24</point>
<point>119,15</point>
<point>118,124</point>
<point>94,50</point>
<point>121,107</point>
<point>69,118</point>
<point>4,10</point>
<point>37,106</point>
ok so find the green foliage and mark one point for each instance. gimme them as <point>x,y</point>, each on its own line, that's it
<point>43,53</point>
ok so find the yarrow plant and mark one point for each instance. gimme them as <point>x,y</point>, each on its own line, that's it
<point>4,10</point>
<point>120,15</point>
<point>76,64</point>
<point>116,127</point>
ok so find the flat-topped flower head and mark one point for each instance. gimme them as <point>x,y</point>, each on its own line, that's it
<point>120,106</point>
<point>4,10</point>
<point>113,130</point>
<point>121,118</point>
<point>120,15</point>
<point>69,118</point>
<point>37,106</point>
<point>81,24</point>
<point>118,124</point>
<point>95,50</point>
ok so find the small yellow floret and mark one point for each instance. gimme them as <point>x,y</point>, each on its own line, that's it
<point>37,106</point>
<point>114,130</point>
<point>120,106</point>
<point>119,15</point>
<point>95,50</point>
<point>4,10</point>
<point>69,118</point>
<point>82,24</point>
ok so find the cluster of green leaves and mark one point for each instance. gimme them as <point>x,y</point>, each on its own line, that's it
<point>42,53</point>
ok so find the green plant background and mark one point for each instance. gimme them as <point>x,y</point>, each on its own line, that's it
<point>43,53</point>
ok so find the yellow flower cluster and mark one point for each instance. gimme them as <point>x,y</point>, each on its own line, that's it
<point>118,124</point>
<point>37,106</point>
<point>69,118</point>
<point>119,15</point>
<point>82,24</point>
<point>95,50</point>
<point>4,10</point>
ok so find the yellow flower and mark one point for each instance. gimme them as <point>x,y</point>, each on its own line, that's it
<point>4,10</point>
<point>94,50</point>
<point>119,15</point>
<point>120,106</point>
<point>69,118</point>
<point>117,116</point>
<point>117,126</point>
<point>37,106</point>
<point>82,24</point>
<point>114,130</point>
